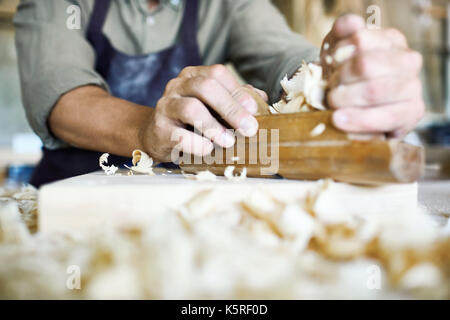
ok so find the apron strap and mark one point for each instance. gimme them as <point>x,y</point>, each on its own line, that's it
<point>189,24</point>
<point>97,20</point>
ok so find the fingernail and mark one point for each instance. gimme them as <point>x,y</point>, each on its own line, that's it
<point>228,140</point>
<point>249,126</point>
<point>249,105</point>
<point>341,118</point>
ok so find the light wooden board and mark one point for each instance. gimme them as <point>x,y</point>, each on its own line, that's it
<point>96,200</point>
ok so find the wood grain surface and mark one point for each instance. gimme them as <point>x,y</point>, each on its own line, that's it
<point>299,154</point>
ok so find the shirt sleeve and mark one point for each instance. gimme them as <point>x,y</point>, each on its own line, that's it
<point>263,47</point>
<point>53,59</point>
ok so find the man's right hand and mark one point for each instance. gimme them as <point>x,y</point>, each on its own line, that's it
<point>185,104</point>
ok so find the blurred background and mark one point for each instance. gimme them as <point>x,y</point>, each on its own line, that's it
<point>425,22</point>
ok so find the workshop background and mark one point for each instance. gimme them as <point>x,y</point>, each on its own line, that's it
<point>425,22</point>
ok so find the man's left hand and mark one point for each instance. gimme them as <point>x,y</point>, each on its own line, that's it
<point>378,88</point>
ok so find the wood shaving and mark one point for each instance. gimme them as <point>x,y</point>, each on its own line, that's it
<point>211,248</point>
<point>305,89</point>
<point>103,161</point>
<point>205,176</point>
<point>318,130</point>
<point>201,176</point>
<point>229,174</point>
<point>142,163</point>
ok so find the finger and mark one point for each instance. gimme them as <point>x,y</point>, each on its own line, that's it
<point>386,118</point>
<point>243,97</point>
<point>368,40</point>
<point>191,143</point>
<point>374,92</point>
<point>377,64</point>
<point>347,25</point>
<point>344,27</point>
<point>260,92</point>
<point>192,112</point>
<point>218,72</point>
<point>212,94</point>
<point>226,78</point>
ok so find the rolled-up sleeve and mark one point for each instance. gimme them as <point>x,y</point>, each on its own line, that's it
<point>53,59</point>
<point>263,47</point>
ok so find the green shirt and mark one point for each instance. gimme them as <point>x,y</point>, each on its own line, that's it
<point>54,59</point>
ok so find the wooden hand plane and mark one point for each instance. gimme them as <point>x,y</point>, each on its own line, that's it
<point>306,146</point>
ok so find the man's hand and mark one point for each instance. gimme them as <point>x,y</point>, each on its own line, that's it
<point>196,99</point>
<point>378,89</point>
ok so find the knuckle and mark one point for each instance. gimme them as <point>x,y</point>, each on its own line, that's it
<point>206,84</point>
<point>190,109</point>
<point>211,130</point>
<point>358,38</point>
<point>363,65</point>
<point>162,104</point>
<point>374,91</point>
<point>231,112</point>
<point>186,71</point>
<point>397,35</point>
<point>218,70</point>
<point>172,85</point>
<point>241,93</point>
<point>160,123</point>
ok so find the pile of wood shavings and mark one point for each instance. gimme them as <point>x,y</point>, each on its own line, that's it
<point>304,92</point>
<point>259,249</point>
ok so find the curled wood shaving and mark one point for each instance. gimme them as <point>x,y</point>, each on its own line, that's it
<point>229,174</point>
<point>305,89</point>
<point>142,163</point>
<point>103,161</point>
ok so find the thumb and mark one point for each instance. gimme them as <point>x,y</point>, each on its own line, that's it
<point>346,25</point>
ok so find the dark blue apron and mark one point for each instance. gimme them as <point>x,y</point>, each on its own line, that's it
<point>139,79</point>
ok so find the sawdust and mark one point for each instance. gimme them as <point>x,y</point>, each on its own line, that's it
<point>262,248</point>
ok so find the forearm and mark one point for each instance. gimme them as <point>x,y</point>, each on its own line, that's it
<point>89,118</point>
